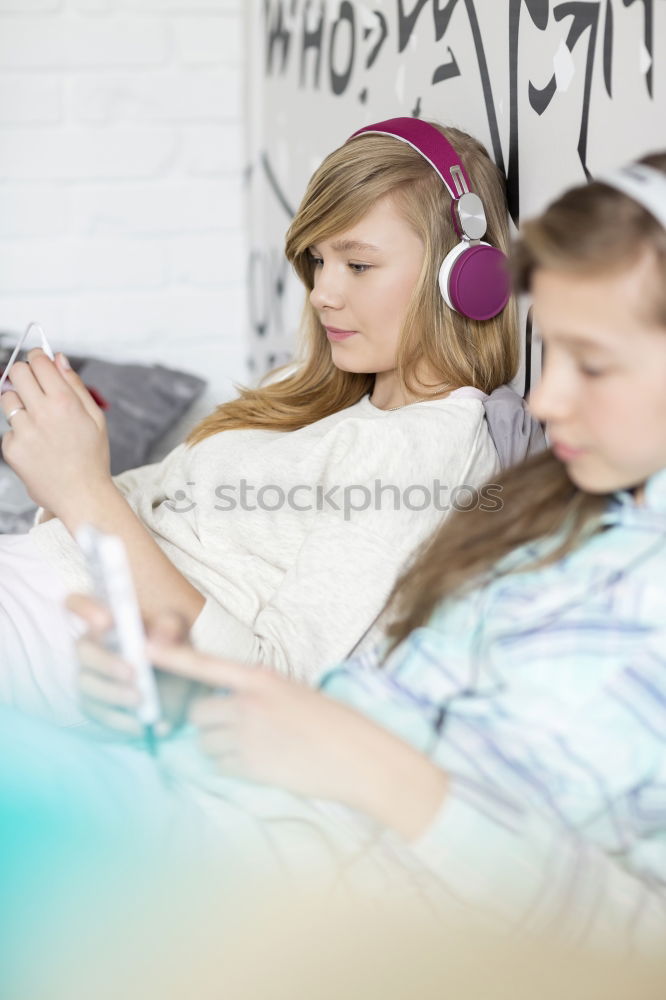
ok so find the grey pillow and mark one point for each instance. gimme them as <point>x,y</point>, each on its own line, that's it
<point>144,402</point>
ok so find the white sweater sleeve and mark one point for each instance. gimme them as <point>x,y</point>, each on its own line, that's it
<point>503,855</point>
<point>142,479</point>
<point>346,566</point>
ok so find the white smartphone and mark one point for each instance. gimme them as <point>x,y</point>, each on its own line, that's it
<point>112,580</point>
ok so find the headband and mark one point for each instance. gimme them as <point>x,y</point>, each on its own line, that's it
<point>467,212</point>
<point>643,184</point>
<point>430,144</point>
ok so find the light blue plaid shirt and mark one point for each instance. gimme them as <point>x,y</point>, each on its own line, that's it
<point>543,696</point>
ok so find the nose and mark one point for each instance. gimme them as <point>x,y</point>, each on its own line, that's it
<point>551,399</point>
<point>326,292</point>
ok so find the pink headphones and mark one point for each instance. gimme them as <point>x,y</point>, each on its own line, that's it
<point>474,276</point>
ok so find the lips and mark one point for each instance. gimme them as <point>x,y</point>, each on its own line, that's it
<point>565,452</point>
<point>335,333</point>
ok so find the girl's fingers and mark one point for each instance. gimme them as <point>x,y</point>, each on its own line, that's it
<point>168,627</point>
<point>26,385</point>
<point>108,692</point>
<point>220,710</point>
<point>116,719</point>
<point>44,371</point>
<point>9,401</point>
<point>186,662</point>
<point>95,658</point>
<point>96,616</point>
<point>49,377</point>
<point>77,385</point>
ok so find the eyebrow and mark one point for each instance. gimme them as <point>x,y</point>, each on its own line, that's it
<point>344,246</point>
<point>574,340</point>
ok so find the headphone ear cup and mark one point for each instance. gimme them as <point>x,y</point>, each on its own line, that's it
<point>474,280</point>
<point>445,271</point>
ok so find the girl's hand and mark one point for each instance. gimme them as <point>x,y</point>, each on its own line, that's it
<point>108,693</point>
<point>274,731</point>
<point>58,443</point>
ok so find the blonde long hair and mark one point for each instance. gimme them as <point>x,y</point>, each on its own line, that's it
<point>458,350</point>
<point>593,229</point>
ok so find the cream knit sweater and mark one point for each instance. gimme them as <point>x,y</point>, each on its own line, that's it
<point>249,518</point>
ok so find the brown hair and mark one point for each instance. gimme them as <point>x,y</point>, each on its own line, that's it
<point>458,350</point>
<point>591,229</point>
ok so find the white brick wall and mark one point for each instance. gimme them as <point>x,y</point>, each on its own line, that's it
<point>121,203</point>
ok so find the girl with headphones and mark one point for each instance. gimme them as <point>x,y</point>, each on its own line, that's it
<point>280,526</point>
<point>506,747</point>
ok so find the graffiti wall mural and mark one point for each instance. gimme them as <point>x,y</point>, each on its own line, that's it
<point>556,90</point>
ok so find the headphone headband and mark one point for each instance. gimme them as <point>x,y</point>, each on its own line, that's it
<point>431,144</point>
<point>643,184</point>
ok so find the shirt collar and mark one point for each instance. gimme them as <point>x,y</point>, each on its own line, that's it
<point>623,506</point>
<point>655,491</point>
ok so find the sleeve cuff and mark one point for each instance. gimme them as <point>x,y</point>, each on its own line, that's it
<point>476,845</point>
